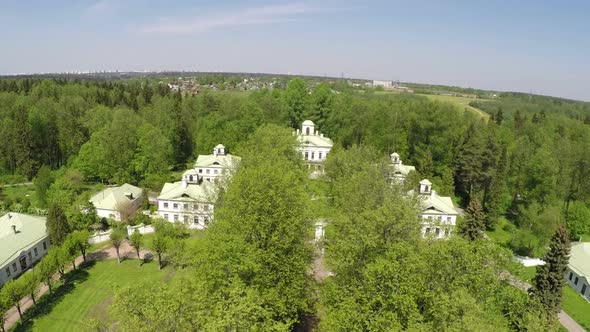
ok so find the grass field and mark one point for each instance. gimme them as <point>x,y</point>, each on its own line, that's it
<point>462,102</point>
<point>76,304</point>
<point>503,232</point>
<point>575,306</point>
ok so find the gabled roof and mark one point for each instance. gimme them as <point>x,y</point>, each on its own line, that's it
<point>114,197</point>
<point>315,140</point>
<point>203,192</point>
<point>30,230</point>
<point>403,169</point>
<point>580,259</point>
<point>226,161</point>
<point>425,182</point>
<point>434,204</point>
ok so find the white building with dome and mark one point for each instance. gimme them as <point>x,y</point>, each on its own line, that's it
<point>439,215</point>
<point>211,166</point>
<point>313,145</point>
<point>399,171</point>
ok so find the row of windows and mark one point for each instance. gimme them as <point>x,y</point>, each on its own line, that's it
<point>571,276</point>
<point>439,218</point>
<point>307,156</point>
<point>437,231</point>
<point>208,171</point>
<point>185,206</point>
<point>186,219</point>
<point>35,251</point>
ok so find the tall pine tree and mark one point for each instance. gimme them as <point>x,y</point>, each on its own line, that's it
<point>548,283</point>
<point>473,226</point>
<point>493,204</point>
<point>57,224</point>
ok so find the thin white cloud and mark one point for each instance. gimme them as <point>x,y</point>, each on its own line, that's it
<point>269,14</point>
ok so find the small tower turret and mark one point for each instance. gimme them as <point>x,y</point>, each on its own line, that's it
<point>425,187</point>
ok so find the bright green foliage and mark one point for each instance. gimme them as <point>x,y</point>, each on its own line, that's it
<point>159,244</point>
<point>474,221</point>
<point>46,268</point>
<point>57,224</point>
<point>12,292</point>
<point>30,282</point>
<point>42,182</point>
<point>136,241</point>
<point>117,236</point>
<point>320,105</point>
<point>548,283</point>
<point>296,98</point>
<point>578,220</point>
<point>427,165</point>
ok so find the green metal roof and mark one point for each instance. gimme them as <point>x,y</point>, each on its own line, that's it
<point>113,197</point>
<point>580,259</point>
<point>315,140</point>
<point>30,230</point>
<point>203,192</point>
<point>211,160</point>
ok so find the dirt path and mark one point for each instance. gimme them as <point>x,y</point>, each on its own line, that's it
<point>126,252</point>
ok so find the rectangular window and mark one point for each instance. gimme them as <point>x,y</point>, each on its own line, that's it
<point>200,171</point>
<point>185,218</point>
<point>312,155</point>
<point>14,267</point>
<point>196,220</point>
<point>36,252</point>
<point>584,289</point>
<point>576,281</point>
<point>8,272</point>
<point>30,256</point>
<point>44,245</point>
<point>205,207</point>
<point>215,171</point>
<point>437,231</point>
<point>208,171</point>
<point>185,206</point>
<point>175,217</point>
<point>175,205</point>
<point>166,216</point>
<point>571,276</point>
<point>306,155</point>
<point>427,230</point>
<point>165,205</point>
<point>319,155</point>
<point>449,220</point>
<point>206,220</point>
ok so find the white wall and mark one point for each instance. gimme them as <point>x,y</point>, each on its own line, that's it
<point>214,172</point>
<point>316,153</point>
<point>445,225</point>
<point>100,237</point>
<point>4,277</point>
<point>101,213</point>
<point>579,285</point>
<point>198,217</point>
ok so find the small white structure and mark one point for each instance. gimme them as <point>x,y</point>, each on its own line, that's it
<point>320,224</point>
<point>189,203</point>
<point>578,271</point>
<point>399,171</point>
<point>210,167</point>
<point>314,147</point>
<point>439,215</point>
<point>383,84</point>
<point>23,241</point>
<point>117,202</point>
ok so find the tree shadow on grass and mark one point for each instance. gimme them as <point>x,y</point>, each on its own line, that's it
<point>47,302</point>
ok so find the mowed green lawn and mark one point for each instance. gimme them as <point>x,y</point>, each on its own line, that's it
<point>576,306</point>
<point>91,294</point>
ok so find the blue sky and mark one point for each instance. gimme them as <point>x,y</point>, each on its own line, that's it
<point>531,46</point>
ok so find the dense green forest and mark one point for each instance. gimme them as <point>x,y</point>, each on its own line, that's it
<point>529,166</point>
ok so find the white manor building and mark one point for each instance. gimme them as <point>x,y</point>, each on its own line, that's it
<point>190,201</point>
<point>578,269</point>
<point>117,203</point>
<point>211,166</point>
<point>399,171</point>
<point>23,242</point>
<point>314,147</point>
<point>439,215</point>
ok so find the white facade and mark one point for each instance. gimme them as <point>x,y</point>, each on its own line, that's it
<point>211,167</point>
<point>314,147</point>
<point>187,203</point>
<point>21,246</point>
<point>578,271</point>
<point>439,215</point>
<point>384,84</point>
<point>399,171</point>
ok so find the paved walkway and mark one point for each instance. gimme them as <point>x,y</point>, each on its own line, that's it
<point>108,252</point>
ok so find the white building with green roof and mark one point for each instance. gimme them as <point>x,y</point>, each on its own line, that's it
<point>188,203</point>
<point>209,167</point>
<point>117,202</point>
<point>439,215</point>
<point>399,171</point>
<point>578,272</point>
<point>23,241</point>
<point>313,145</point>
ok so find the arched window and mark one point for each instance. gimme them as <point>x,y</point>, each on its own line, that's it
<point>307,131</point>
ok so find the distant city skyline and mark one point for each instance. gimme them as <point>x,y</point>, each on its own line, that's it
<point>530,46</point>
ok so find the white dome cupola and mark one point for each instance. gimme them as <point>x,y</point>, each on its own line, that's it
<point>308,127</point>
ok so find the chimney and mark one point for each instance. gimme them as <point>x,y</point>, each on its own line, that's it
<point>184,184</point>
<point>14,228</point>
